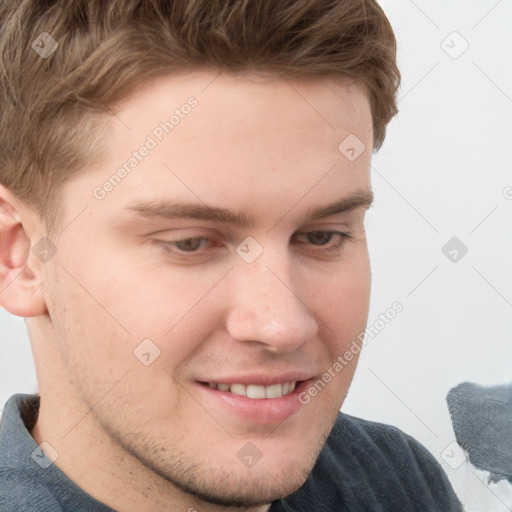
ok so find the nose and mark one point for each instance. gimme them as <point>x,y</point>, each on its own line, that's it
<point>266,310</point>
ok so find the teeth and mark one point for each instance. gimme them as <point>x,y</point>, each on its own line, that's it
<point>274,391</point>
<point>238,389</point>
<point>255,391</point>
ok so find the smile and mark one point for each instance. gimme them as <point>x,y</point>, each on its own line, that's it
<point>256,391</point>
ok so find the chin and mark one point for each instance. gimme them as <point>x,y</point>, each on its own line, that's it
<point>250,488</point>
<point>225,481</point>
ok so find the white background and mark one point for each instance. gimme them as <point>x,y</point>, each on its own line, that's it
<point>442,173</point>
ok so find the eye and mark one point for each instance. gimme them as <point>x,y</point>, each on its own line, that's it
<point>319,237</point>
<point>190,244</point>
<point>186,245</point>
<point>325,240</point>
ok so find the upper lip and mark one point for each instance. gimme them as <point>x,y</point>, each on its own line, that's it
<point>261,379</point>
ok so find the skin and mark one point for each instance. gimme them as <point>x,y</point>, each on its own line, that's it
<point>141,437</point>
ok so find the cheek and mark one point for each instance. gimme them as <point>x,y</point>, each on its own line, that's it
<point>155,298</point>
<point>342,303</point>
<point>92,337</point>
<point>342,294</point>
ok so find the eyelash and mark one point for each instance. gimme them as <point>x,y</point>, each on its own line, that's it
<point>170,247</point>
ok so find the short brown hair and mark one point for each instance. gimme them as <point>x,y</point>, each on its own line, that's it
<point>49,127</point>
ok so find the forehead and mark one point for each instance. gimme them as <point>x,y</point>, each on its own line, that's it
<point>220,138</point>
<point>236,109</point>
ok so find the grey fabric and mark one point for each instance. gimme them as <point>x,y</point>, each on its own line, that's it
<point>482,422</point>
<point>364,466</point>
<point>28,480</point>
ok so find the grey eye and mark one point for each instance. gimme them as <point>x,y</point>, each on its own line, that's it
<point>319,237</point>
<point>189,244</point>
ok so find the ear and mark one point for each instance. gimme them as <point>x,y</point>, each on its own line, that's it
<point>20,275</point>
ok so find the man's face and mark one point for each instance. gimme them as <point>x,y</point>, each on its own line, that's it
<point>147,260</point>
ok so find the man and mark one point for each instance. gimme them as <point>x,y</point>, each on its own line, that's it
<point>182,226</point>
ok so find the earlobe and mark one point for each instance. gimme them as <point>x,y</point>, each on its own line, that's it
<point>20,276</point>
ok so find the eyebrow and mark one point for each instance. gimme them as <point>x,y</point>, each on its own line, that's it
<point>169,210</point>
<point>360,199</point>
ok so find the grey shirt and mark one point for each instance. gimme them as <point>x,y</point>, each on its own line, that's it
<point>364,466</point>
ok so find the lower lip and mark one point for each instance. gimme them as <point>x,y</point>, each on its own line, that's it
<point>258,411</point>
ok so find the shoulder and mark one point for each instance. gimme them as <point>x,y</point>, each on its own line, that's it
<point>399,469</point>
<point>366,438</point>
<point>21,492</point>
<point>366,465</point>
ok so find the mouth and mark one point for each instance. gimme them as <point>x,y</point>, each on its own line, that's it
<point>255,391</point>
<point>254,402</point>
